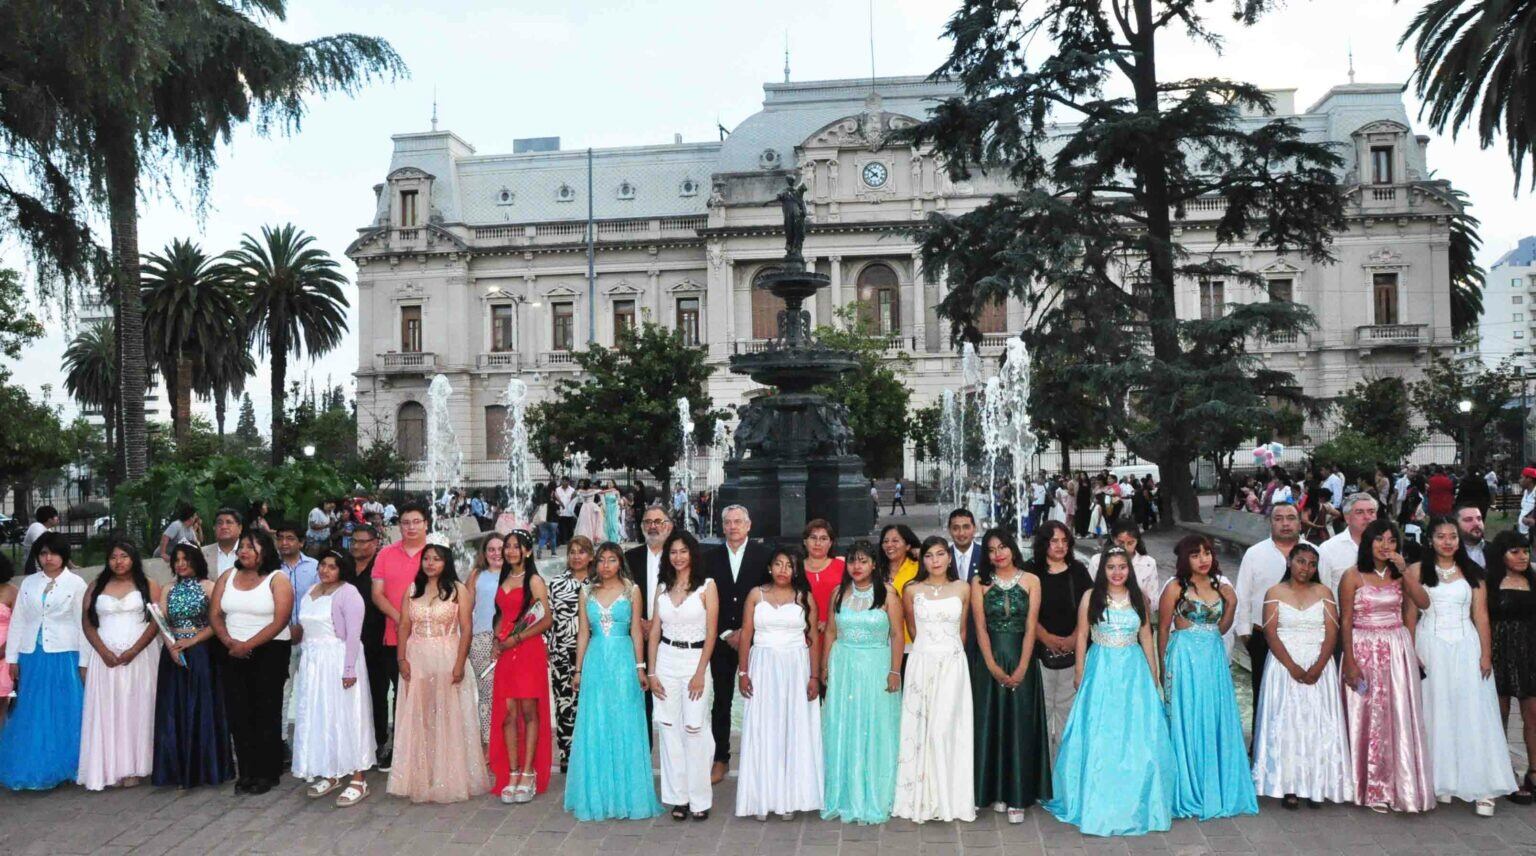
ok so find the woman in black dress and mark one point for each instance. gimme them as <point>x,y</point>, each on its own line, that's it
<point>1512,612</point>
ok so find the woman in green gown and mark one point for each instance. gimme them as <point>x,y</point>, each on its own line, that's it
<point>861,670</point>
<point>1013,755</point>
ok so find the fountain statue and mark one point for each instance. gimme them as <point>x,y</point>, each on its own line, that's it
<point>515,442</point>
<point>791,460</point>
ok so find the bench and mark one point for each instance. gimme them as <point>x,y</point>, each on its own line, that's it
<point>1508,503</point>
<point>1232,530</point>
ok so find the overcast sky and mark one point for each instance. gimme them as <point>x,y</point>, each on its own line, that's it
<point>615,73</point>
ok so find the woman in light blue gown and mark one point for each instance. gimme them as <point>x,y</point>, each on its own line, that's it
<point>1114,771</point>
<point>609,776</point>
<point>861,716</point>
<point>613,519</point>
<point>1212,776</point>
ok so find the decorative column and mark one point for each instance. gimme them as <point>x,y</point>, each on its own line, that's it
<point>730,302</point>
<point>527,347</point>
<point>810,305</point>
<point>654,275</point>
<point>919,304</point>
<point>837,283</point>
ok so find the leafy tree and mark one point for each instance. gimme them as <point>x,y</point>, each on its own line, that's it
<point>227,364</point>
<point>1070,414</point>
<point>245,428</point>
<point>109,92</point>
<point>379,463</point>
<point>1094,241</point>
<point>90,371</point>
<point>1445,385</point>
<point>926,430</point>
<point>622,409</point>
<point>18,327</point>
<point>191,312</point>
<point>324,421</point>
<point>873,392</point>
<point>1381,411</point>
<point>294,300</point>
<point>1354,453</point>
<point>1474,65</point>
<point>33,440</point>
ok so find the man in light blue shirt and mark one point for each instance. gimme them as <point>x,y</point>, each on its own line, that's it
<point>303,572</point>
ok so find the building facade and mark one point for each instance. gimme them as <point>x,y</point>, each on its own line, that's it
<point>476,266</point>
<point>1507,328</point>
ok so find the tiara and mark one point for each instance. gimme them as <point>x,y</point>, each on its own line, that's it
<point>438,539</point>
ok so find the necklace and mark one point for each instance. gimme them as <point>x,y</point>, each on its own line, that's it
<point>1445,574</point>
<point>1117,602</point>
<point>933,590</point>
<point>1008,584</point>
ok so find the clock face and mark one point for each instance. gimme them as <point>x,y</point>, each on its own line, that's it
<point>875,174</point>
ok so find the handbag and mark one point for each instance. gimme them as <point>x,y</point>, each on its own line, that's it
<point>1050,659</point>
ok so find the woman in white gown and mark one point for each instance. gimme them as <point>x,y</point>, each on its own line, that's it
<point>333,740</point>
<point>935,777</point>
<point>1469,757</point>
<point>781,722</point>
<point>1300,742</point>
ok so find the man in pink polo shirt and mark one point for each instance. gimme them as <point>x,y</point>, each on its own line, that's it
<point>394,570</point>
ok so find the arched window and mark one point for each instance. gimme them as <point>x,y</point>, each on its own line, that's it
<point>765,308</point>
<point>880,299</point>
<point>496,432</point>
<point>411,431</point>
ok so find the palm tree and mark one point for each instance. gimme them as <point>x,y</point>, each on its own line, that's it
<point>1467,276</point>
<point>191,306</point>
<point>90,372</point>
<point>223,372</point>
<point>294,302</point>
<point>1476,62</point>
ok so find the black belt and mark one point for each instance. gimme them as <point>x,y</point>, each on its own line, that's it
<point>666,641</point>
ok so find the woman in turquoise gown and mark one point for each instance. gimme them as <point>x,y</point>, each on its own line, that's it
<point>613,521</point>
<point>609,776</point>
<point>861,714</point>
<point>1114,772</point>
<point>1212,777</point>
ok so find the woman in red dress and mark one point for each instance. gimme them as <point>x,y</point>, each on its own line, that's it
<point>824,570</point>
<point>520,720</point>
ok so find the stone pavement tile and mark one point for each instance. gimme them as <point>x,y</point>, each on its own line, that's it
<point>1229,844</point>
<point>821,833</point>
<point>859,832</point>
<point>576,847</point>
<point>937,833</point>
<point>1104,846</point>
<point>817,850</point>
<point>1022,848</point>
<point>859,848</point>
<point>970,837</point>
<point>1483,843</point>
<point>1147,844</point>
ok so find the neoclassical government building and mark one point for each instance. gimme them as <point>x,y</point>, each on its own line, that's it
<point>475,265</point>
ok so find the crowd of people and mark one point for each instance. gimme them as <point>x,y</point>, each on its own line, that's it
<point>1089,506</point>
<point>916,677</point>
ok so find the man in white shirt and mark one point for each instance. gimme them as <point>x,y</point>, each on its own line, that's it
<point>565,505</point>
<point>1469,525</point>
<point>967,554</point>
<point>1333,487</point>
<point>737,566</point>
<point>226,541</point>
<point>1262,567</point>
<point>1527,501</point>
<point>644,564</point>
<point>319,532</point>
<point>1339,553</point>
<point>45,519</point>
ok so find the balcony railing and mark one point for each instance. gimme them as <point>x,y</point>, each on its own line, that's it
<point>499,361</point>
<point>558,358</point>
<point>1282,338</point>
<point>751,346</point>
<point>1383,194</point>
<point>1390,334</point>
<point>995,341</point>
<point>412,361</point>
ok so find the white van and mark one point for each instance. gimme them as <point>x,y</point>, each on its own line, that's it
<point>1136,472</point>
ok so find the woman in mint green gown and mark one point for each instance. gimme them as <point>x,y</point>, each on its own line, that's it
<point>861,715</point>
<point>609,776</point>
<point>1114,773</point>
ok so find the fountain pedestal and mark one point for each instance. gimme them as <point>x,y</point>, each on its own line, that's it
<point>791,461</point>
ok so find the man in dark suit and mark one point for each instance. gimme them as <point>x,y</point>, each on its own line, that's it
<point>736,566</point>
<point>968,554</point>
<point>644,565</point>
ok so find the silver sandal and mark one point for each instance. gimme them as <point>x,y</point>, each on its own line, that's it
<point>353,795</point>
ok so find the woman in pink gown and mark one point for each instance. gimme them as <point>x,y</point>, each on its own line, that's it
<point>1383,708</point>
<point>8,593</point>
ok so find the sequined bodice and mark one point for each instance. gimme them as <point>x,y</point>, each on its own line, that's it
<point>186,607</point>
<point>1301,629</point>
<point>1116,628</point>
<point>1450,610</point>
<point>611,620</point>
<point>1379,607</point>
<point>937,621</point>
<point>1007,609</point>
<point>433,619</point>
<point>865,628</point>
<point>1202,617</point>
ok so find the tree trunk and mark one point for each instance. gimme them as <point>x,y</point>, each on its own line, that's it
<point>169,375</point>
<point>219,413</point>
<point>1066,455</point>
<point>182,414</point>
<point>277,348</point>
<point>120,151</point>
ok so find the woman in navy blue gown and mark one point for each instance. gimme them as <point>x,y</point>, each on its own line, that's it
<point>191,734</point>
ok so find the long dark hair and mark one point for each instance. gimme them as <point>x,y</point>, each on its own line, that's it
<point>1184,569</point>
<point>261,539</point>
<point>913,543</point>
<point>1098,596</point>
<point>445,580</point>
<point>346,568</point>
<point>877,577</point>
<point>529,570</point>
<point>950,574</point>
<point>1042,543</point>
<point>799,583</point>
<point>984,569</point>
<point>1502,543</point>
<point>1470,570</point>
<point>1301,548</point>
<point>667,576</point>
<point>1124,526</point>
<point>194,558</point>
<point>135,573</point>
<point>618,553</point>
<point>1365,560</point>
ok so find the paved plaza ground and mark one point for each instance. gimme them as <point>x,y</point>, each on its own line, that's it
<point>147,820</point>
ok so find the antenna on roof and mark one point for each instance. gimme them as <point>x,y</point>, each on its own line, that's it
<point>871,44</point>
<point>721,127</point>
<point>786,54</point>
<point>434,108</point>
<point>1351,62</point>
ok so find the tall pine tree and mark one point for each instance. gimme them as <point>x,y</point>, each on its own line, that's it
<point>1094,241</point>
<point>245,426</point>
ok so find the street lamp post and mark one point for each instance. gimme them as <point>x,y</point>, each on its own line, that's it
<point>1465,407</point>
<point>309,451</point>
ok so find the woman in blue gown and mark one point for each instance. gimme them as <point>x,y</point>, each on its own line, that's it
<point>191,733</point>
<point>609,776</point>
<point>1114,771</point>
<point>861,715</point>
<point>613,517</point>
<point>1212,777</point>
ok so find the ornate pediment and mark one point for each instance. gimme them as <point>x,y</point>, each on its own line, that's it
<point>500,294</point>
<point>685,284</point>
<point>407,172</point>
<point>1381,126</point>
<point>1280,267</point>
<point>870,129</point>
<point>1385,258</point>
<point>622,287</point>
<point>561,291</point>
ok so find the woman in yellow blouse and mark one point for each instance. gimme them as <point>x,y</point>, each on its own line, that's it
<point>899,547</point>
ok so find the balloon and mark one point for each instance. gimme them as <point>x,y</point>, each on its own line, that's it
<point>1259,453</point>
<point>1277,448</point>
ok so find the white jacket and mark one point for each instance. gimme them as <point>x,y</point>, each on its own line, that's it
<point>60,619</point>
